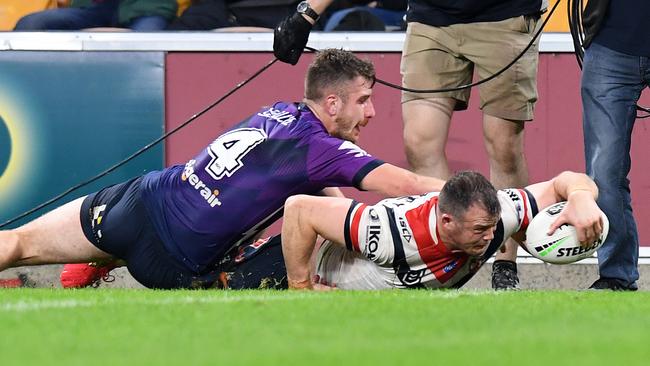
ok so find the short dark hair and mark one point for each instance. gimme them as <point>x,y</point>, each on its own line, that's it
<point>465,189</point>
<point>331,69</point>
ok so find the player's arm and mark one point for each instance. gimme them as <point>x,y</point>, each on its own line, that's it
<point>291,35</point>
<point>581,210</point>
<point>332,192</point>
<point>306,217</point>
<point>393,181</point>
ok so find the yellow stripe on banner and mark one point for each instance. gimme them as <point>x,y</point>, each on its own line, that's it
<point>559,22</point>
<point>12,10</point>
<point>20,156</point>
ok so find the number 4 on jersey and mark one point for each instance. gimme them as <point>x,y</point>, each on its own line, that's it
<point>228,150</point>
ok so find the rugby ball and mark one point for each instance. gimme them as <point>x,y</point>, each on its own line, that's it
<point>562,246</point>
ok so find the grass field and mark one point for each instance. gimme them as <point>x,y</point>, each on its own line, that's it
<point>141,327</point>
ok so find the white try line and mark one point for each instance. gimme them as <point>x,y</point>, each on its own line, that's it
<point>203,297</point>
<point>36,305</point>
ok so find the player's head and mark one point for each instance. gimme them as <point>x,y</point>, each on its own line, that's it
<point>468,212</point>
<point>341,84</point>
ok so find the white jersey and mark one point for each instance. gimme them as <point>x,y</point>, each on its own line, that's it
<point>395,244</point>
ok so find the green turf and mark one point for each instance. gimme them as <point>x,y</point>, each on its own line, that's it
<point>140,327</point>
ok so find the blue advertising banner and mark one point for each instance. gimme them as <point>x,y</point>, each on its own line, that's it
<point>67,116</point>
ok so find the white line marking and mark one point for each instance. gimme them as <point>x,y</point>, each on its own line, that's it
<point>225,297</point>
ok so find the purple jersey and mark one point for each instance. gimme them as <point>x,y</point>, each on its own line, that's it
<point>238,184</point>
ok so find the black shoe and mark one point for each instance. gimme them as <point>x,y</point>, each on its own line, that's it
<point>613,284</point>
<point>504,275</point>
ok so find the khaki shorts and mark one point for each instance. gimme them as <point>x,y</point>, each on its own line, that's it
<point>444,57</point>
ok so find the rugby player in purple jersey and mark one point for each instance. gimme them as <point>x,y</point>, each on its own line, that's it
<point>178,228</point>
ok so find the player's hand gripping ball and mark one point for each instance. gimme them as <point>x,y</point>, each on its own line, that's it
<point>562,246</point>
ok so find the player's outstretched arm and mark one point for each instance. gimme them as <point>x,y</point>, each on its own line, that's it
<point>393,181</point>
<point>291,35</point>
<point>581,210</point>
<point>306,217</point>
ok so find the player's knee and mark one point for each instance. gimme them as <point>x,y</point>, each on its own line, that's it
<point>506,156</point>
<point>423,158</point>
<point>294,205</point>
<point>412,140</point>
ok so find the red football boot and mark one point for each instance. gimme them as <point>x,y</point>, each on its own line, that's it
<point>87,274</point>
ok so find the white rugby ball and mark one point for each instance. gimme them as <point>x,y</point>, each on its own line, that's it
<point>562,246</point>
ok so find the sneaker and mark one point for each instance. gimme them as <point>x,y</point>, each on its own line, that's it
<point>504,275</point>
<point>605,283</point>
<point>87,274</point>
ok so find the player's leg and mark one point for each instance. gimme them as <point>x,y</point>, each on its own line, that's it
<point>504,141</point>
<point>113,220</point>
<point>306,217</point>
<point>427,51</point>
<point>611,86</point>
<point>426,128</point>
<point>507,102</point>
<point>56,237</point>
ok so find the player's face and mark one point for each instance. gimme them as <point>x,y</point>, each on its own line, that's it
<point>356,111</point>
<point>474,231</point>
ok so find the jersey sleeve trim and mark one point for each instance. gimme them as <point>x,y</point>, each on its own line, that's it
<point>350,241</point>
<point>364,171</point>
<point>533,202</point>
<point>533,207</point>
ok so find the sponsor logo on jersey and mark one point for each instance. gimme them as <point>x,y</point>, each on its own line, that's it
<point>98,216</point>
<point>208,194</point>
<point>450,267</point>
<point>372,240</point>
<point>404,230</point>
<point>374,216</point>
<point>282,117</point>
<point>512,194</point>
<point>353,149</point>
<point>412,277</point>
<point>516,201</point>
<point>404,200</point>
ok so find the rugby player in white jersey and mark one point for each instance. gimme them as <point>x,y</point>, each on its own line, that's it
<point>436,240</point>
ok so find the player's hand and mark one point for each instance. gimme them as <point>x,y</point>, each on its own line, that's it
<point>319,285</point>
<point>583,213</point>
<point>290,38</point>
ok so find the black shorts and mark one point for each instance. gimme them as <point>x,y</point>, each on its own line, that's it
<point>259,265</point>
<point>115,220</point>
